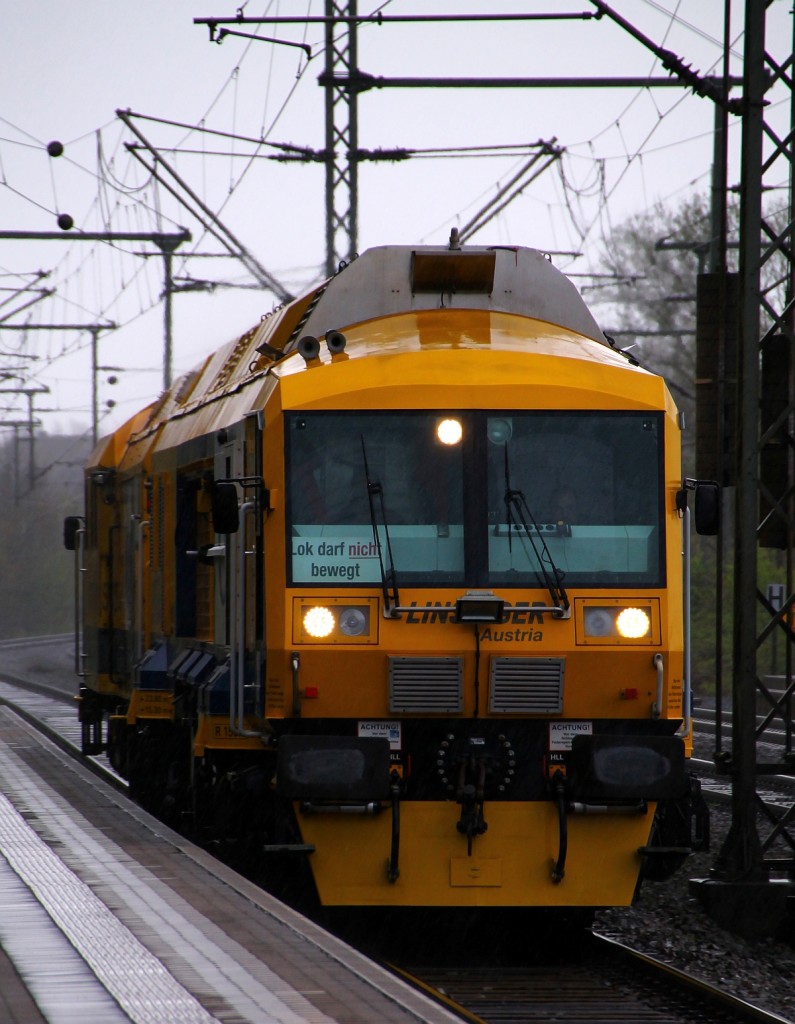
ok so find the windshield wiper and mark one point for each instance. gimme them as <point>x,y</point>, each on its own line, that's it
<point>389,585</point>
<point>519,516</point>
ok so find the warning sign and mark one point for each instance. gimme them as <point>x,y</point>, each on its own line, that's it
<point>561,734</point>
<point>382,730</point>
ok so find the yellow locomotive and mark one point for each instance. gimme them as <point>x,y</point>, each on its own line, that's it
<point>390,591</point>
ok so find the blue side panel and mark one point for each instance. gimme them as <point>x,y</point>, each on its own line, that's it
<point>153,671</point>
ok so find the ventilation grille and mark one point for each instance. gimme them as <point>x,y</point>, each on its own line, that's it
<point>425,684</point>
<point>526,686</point>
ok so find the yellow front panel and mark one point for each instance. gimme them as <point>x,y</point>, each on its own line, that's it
<point>608,680</point>
<point>480,871</point>
<point>514,857</point>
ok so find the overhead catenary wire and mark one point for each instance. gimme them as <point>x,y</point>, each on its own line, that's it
<point>100,177</point>
<point>210,221</point>
<point>575,205</point>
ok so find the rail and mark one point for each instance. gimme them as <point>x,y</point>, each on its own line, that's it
<point>611,981</point>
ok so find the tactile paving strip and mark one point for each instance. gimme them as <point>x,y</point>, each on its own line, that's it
<point>135,977</point>
<point>246,958</point>
<point>58,980</point>
<point>128,971</point>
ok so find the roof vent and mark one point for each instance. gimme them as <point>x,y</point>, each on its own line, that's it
<point>452,270</point>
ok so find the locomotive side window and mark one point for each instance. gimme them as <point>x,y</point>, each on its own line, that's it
<point>344,469</point>
<point>590,486</point>
<point>193,535</point>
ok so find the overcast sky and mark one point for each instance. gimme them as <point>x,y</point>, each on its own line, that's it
<point>66,67</point>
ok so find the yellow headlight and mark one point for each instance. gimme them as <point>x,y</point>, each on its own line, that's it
<point>319,622</point>
<point>633,623</point>
<point>604,621</point>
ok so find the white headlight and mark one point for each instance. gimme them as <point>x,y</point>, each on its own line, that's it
<point>318,622</point>
<point>449,431</point>
<point>353,621</point>
<point>597,622</point>
<point>499,431</point>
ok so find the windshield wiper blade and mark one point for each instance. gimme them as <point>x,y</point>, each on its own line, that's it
<point>389,585</point>
<point>516,507</point>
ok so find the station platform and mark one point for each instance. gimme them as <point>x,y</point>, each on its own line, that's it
<point>107,916</point>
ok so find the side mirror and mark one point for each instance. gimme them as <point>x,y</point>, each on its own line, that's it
<point>70,527</point>
<point>226,515</point>
<point>707,511</point>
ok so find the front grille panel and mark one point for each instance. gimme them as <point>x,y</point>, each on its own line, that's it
<point>425,685</point>
<point>530,686</point>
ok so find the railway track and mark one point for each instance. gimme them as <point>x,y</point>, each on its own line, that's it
<point>37,680</point>
<point>603,981</point>
<point>775,791</point>
<point>597,980</point>
<point>772,736</point>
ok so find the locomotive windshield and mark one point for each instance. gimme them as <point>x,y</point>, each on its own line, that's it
<point>421,480</point>
<point>590,486</point>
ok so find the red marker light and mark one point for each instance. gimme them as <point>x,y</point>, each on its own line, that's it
<point>630,693</point>
<point>311,692</point>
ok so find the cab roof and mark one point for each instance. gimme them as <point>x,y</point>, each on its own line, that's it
<point>401,279</point>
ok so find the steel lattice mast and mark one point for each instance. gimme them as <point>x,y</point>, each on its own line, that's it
<point>342,133</point>
<point>760,845</point>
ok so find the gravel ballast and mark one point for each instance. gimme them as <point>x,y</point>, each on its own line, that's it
<point>668,923</point>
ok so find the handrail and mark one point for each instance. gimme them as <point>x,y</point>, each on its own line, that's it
<point>142,524</point>
<point>295,661</point>
<point>687,694</point>
<point>687,684</point>
<point>659,664</point>
<point>237,647</point>
<point>79,574</point>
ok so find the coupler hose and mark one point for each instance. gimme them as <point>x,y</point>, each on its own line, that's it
<point>559,868</point>
<point>392,870</point>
